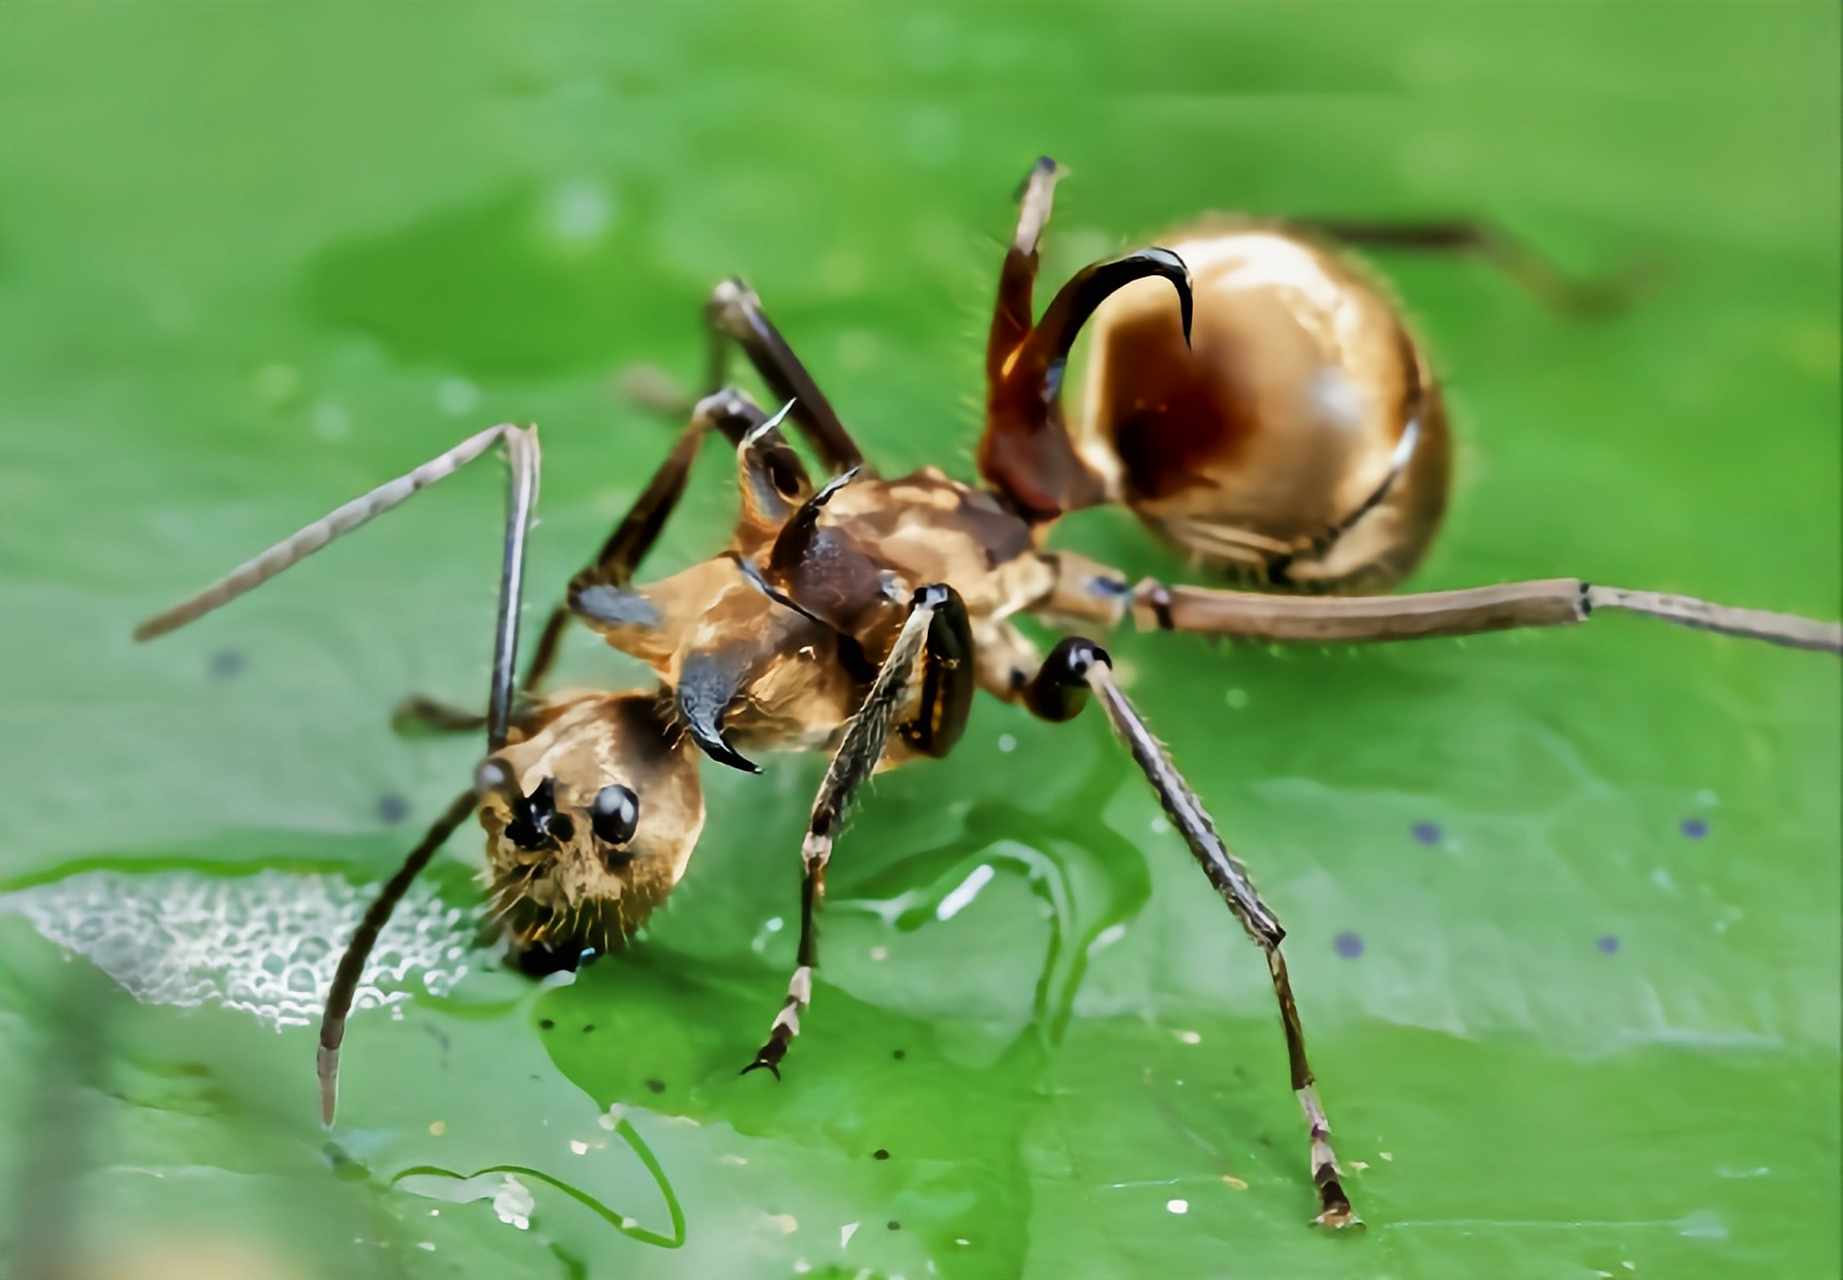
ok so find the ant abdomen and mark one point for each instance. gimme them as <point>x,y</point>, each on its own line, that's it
<point>1298,442</point>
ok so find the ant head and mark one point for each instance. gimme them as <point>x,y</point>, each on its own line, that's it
<point>591,818</point>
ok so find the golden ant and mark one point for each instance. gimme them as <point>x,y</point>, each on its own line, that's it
<point>1250,397</point>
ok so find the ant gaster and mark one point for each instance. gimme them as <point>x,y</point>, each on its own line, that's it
<point>1250,397</point>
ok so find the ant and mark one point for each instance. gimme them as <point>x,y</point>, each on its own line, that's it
<point>1251,397</point>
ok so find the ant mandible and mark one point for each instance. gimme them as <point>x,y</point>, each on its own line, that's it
<point>1250,397</point>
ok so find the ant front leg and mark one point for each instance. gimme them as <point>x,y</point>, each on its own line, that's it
<point>522,452</point>
<point>1077,668</point>
<point>935,636</point>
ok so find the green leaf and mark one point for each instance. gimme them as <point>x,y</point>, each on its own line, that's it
<point>1562,908</point>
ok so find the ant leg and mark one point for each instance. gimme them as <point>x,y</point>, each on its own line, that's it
<point>420,717</point>
<point>735,315</point>
<point>251,574</point>
<point>1014,315</point>
<point>1551,602</point>
<point>522,452</point>
<point>854,761</point>
<point>1026,452</point>
<point>1074,669</point>
<point>728,411</point>
<point>1554,287</point>
<point>358,950</point>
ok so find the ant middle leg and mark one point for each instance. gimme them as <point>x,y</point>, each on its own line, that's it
<point>936,637</point>
<point>1077,668</point>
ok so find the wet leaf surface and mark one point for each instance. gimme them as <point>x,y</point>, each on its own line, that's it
<point>1562,908</point>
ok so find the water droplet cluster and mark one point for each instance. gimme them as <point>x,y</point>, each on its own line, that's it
<point>266,943</point>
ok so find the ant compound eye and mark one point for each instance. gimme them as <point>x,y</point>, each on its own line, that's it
<point>614,814</point>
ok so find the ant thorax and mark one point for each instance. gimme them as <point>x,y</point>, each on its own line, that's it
<point>774,650</point>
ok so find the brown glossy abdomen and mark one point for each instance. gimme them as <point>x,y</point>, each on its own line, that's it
<point>1277,424</point>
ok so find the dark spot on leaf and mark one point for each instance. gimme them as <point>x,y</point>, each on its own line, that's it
<point>587,1027</point>
<point>657,1086</point>
<point>1348,945</point>
<point>879,1154</point>
<point>226,664</point>
<point>1426,832</point>
<point>1694,828</point>
<point>899,1055</point>
<point>546,1023</point>
<point>393,809</point>
<point>1609,944</point>
<point>894,1225</point>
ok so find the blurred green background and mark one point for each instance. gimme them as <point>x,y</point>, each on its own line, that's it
<point>1563,907</point>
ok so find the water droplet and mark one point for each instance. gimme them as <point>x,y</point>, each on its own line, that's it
<point>331,423</point>
<point>580,212</point>
<point>457,396</point>
<point>1426,833</point>
<point>277,384</point>
<point>1348,945</point>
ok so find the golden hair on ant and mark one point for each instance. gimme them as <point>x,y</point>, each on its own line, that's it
<point>1250,396</point>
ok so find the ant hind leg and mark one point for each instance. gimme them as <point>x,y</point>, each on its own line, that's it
<point>1550,602</point>
<point>1552,285</point>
